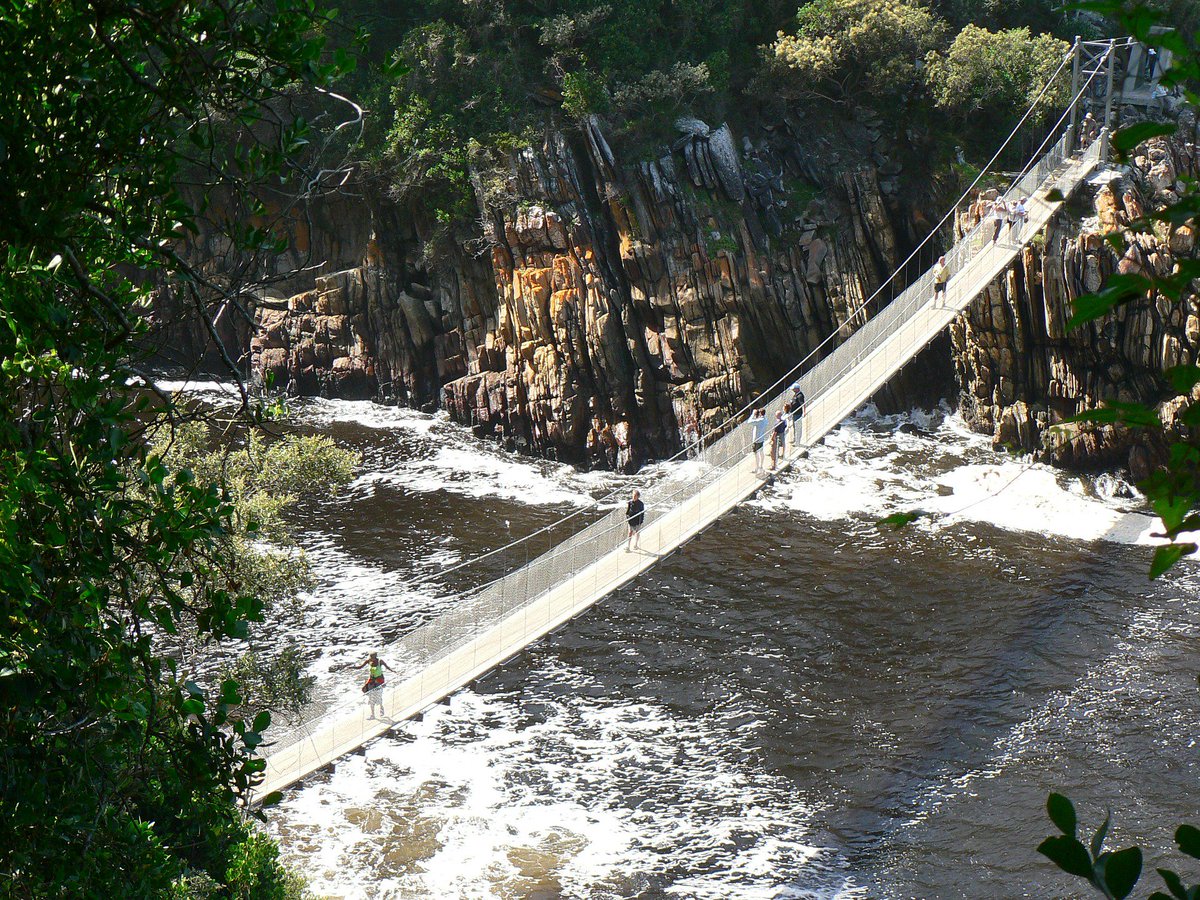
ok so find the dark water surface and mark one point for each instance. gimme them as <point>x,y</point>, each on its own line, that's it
<point>795,705</point>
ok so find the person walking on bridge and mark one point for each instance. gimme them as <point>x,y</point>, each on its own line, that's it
<point>999,211</point>
<point>1018,213</point>
<point>635,515</point>
<point>941,277</point>
<point>373,686</point>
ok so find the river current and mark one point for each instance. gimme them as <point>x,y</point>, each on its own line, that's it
<point>798,704</point>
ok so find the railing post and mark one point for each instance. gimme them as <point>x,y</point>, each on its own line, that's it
<point>1106,131</point>
<point>1076,51</point>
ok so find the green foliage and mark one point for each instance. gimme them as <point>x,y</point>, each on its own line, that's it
<point>1174,491</point>
<point>477,77</point>
<point>987,75</point>
<point>255,872</point>
<point>260,482</point>
<point>664,92</point>
<point>723,244</point>
<point>1037,15</point>
<point>274,681</point>
<point>899,520</point>
<point>582,95</point>
<point>486,75</point>
<point>799,193</point>
<point>452,95</point>
<point>846,48</point>
<point>120,778</point>
<point>1113,874</point>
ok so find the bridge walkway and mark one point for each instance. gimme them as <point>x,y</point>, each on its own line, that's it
<point>497,622</point>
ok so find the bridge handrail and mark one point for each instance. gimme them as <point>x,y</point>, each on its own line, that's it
<point>858,313</point>
<point>505,595</point>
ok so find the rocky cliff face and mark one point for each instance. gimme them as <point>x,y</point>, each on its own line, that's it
<point>604,309</point>
<point>1022,372</point>
<point>605,306</point>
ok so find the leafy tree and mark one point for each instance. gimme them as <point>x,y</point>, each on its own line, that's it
<point>482,79</point>
<point>1037,15</point>
<point>1174,490</point>
<point>123,126</point>
<point>1111,873</point>
<point>850,49</point>
<point>990,75</point>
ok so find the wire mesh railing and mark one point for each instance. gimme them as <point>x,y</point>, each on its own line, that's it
<point>576,569</point>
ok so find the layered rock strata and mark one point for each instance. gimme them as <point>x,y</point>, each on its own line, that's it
<point>604,308</point>
<point>1022,371</point>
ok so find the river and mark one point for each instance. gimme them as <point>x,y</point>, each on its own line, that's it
<point>796,705</point>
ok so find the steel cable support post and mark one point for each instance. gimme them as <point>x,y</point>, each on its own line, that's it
<point>1106,131</point>
<point>1076,53</point>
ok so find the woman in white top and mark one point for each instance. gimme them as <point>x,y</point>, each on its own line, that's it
<point>1017,215</point>
<point>999,210</point>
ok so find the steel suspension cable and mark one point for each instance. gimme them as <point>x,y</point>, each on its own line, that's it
<point>733,418</point>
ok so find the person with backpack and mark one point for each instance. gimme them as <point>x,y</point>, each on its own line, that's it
<point>373,686</point>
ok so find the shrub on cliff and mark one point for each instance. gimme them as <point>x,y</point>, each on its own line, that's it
<point>1050,16</point>
<point>987,79</point>
<point>852,50</point>
<point>261,479</point>
<point>489,75</point>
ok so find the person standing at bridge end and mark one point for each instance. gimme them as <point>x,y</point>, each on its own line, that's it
<point>635,514</point>
<point>373,686</point>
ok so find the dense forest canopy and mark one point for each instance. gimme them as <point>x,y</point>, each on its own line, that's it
<point>476,79</point>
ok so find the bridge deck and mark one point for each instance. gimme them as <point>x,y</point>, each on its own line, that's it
<point>488,643</point>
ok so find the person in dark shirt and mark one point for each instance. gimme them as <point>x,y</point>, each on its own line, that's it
<point>635,514</point>
<point>778,433</point>
<point>797,413</point>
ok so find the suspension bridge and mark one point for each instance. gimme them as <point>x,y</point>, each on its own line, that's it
<point>575,570</point>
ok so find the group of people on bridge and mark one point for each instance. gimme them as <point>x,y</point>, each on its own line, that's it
<point>773,434</point>
<point>768,436</point>
<point>1015,213</point>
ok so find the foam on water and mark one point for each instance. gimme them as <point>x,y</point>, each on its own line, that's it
<point>876,465</point>
<point>601,798</point>
<point>321,412</point>
<point>471,473</point>
<point>215,393</point>
<point>566,791</point>
<point>357,605</point>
